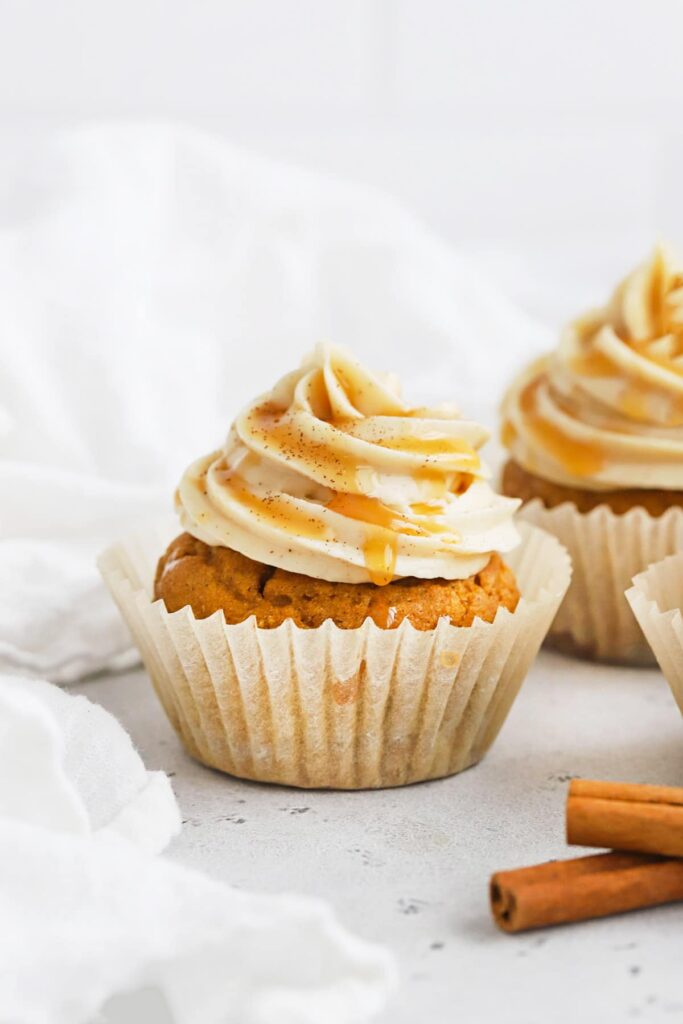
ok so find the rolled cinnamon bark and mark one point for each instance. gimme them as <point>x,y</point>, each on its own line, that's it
<point>623,816</point>
<point>588,887</point>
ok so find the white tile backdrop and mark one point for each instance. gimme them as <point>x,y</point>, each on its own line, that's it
<point>545,138</point>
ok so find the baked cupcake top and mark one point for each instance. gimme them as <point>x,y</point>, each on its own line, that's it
<point>332,475</point>
<point>605,411</point>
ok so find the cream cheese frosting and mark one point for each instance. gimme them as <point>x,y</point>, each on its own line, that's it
<point>605,411</point>
<point>332,475</point>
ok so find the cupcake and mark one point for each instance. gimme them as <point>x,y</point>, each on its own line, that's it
<point>656,598</point>
<point>349,604</point>
<point>595,436</point>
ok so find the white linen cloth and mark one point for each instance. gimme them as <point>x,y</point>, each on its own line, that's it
<point>152,280</point>
<point>89,911</point>
<point>66,765</point>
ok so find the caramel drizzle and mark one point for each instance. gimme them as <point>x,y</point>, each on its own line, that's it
<point>634,399</point>
<point>665,314</point>
<point>434,446</point>
<point>591,362</point>
<point>278,433</point>
<point>380,552</point>
<point>508,434</point>
<point>274,428</point>
<point>665,319</point>
<point>424,508</point>
<point>431,482</point>
<point>580,458</point>
<point>383,524</point>
<point>272,509</point>
<point>373,512</point>
<point>633,402</point>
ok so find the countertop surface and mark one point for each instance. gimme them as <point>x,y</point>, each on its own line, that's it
<point>409,867</point>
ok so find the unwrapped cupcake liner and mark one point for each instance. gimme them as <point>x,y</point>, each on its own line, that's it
<point>607,551</point>
<point>656,598</point>
<point>334,708</point>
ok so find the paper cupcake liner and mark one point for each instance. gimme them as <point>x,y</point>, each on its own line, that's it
<point>327,707</point>
<point>656,598</point>
<point>607,551</point>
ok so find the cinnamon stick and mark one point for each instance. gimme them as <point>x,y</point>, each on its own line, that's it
<point>576,890</point>
<point>624,816</point>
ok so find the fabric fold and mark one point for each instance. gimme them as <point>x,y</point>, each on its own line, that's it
<point>90,911</point>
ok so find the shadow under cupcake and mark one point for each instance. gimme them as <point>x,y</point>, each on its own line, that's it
<point>337,612</point>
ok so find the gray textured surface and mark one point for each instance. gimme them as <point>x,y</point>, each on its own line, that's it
<point>410,867</point>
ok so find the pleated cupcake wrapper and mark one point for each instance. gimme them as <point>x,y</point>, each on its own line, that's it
<point>656,598</point>
<point>327,707</point>
<point>607,551</point>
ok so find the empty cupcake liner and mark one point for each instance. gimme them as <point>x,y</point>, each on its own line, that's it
<point>334,708</point>
<point>656,598</point>
<point>607,550</point>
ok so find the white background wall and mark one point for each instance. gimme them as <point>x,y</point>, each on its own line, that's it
<point>543,137</point>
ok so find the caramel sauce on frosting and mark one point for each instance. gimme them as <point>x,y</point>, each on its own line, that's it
<point>579,457</point>
<point>332,475</point>
<point>605,411</point>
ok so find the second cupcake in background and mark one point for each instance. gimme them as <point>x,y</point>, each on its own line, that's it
<point>595,436</point>
<point>337,612</point>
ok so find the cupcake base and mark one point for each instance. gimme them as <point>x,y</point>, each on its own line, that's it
<point>207,578</point>
<point>517,482</point>
<point>330,707</point>
<point>607,550</point>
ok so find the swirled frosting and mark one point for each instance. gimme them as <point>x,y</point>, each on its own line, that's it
<point>332,475</point>
<point>605,411</point>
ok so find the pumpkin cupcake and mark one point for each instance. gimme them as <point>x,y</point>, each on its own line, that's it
<point>337,611</point>
<point>595,435</point>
